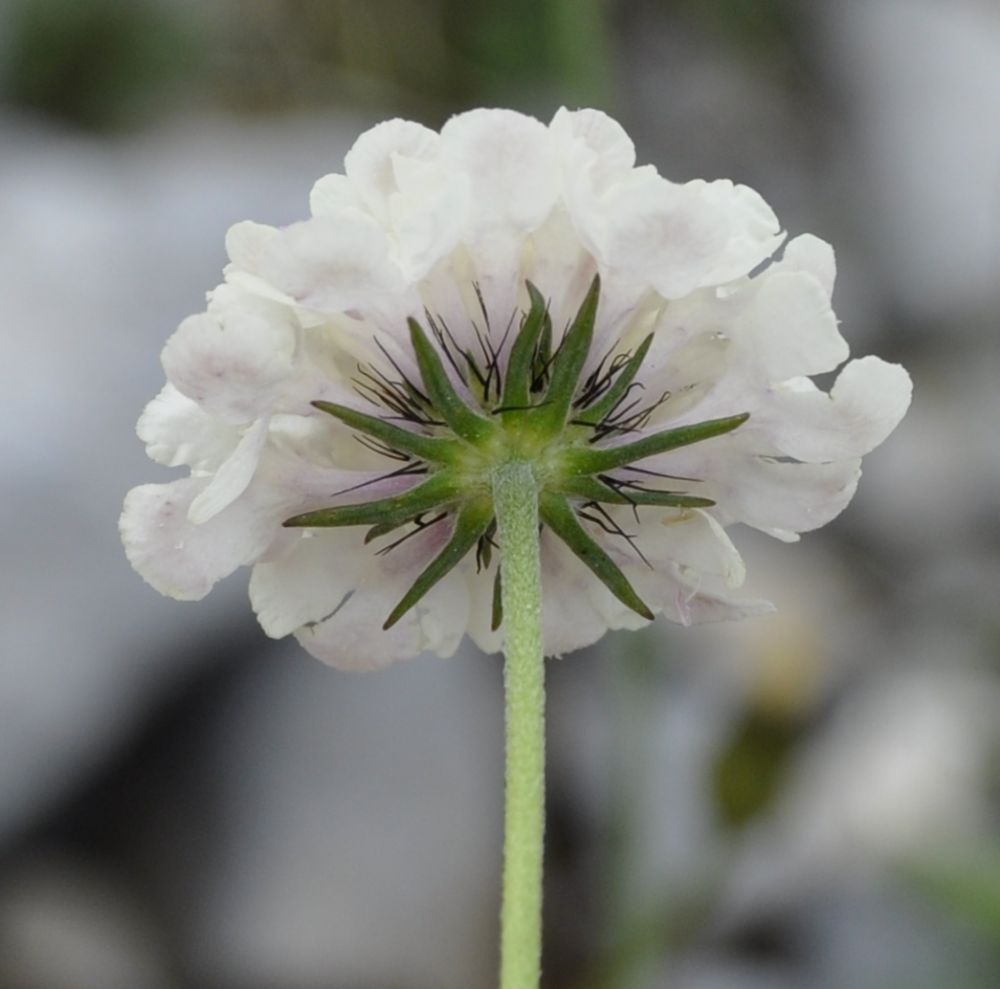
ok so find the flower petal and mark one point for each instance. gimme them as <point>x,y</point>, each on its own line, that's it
<point>308,580</point>
<point>865,405</point>
<point>779,498</point>
<point>335,264</point>
<point>480,584</point>
<point>695,604</point>
<point>508,162</point>
<point>369,163</point>
<point>566,582</point>
<point>753,229</point>
<point>352,638</point>
<point>693,540</point>
<point>783,499</point>
<point>680,599</point>
<point>178,432</point>
<point>233,359</point>
<point>592,146</point>
<point>184,560</point>
<point>648,229</point>
<point>429,214</point>
<point>332,194</point>
<point>813,256</point>
<point>788,328</point>
<point>246,241</point>
<point>233,476</point>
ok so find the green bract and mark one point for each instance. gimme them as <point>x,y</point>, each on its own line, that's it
<point>539,410</point>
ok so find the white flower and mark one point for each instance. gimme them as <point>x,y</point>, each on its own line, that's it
<point>661,389</point>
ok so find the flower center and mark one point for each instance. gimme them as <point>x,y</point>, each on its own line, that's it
<point>538,407</point>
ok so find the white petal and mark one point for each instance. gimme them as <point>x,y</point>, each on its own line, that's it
<point>865,404</point>
<point>693,540</point>
<point>591,142</point>
<point>649,229</point>
<point>779,498</point>
<point>429,214</point>
<point>562,270</point>
<point>369,163</point>
<point>684,371</point>
<point>332,195</point>
<point>689,599</point>
<point>353,638</point>
<point>309,580</point>
<point>783,499</point>
<point>679,599</point>
<point>480,587</point>
<point>753,229</point>
<point>508,161</point>
<point>184,560</point>
<point>233,476</point>
<point>788,327</point>
<point>178,432</point>
<point>245,241</point>
<point>689,605</point>
<point>566,584</point>
<point>232,359</point>
<point>299,481</point>
<point>688,545</point>
<point>333,264</point>
<point>444,616</point>
<point>813,256</point>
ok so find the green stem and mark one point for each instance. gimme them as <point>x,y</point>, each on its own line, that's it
<point>515,499</point>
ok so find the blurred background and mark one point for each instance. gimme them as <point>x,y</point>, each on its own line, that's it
<point>805,801</point>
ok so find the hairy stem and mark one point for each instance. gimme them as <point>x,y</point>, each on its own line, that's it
<point>515,498</point>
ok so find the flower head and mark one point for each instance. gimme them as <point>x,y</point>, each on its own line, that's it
<point>501,291</point>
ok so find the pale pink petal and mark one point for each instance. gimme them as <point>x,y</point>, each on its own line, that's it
<point>691,539</point>
<point>592,143</point>
<point>508,161</point>
<point>352,638</point>
<point>369,163</point>
<point>813,256</point>
<point>335,264</point>
<point>177,431</point>
<point>184,560</point>
<point>784,499</point>
<point>865,405</point>
<point>788,328</point>
<point>753,229</point>
<point>480,588</point>
<point>682,370</point>
<point>309,580</point>
<point>429,214</point>
<point>691,599</point>
<point>232,360</point>
<point>334,194</point>
<point>233,476</point>
<point>780,498</point>
<point>246,241</point>
<point>649,229</point>
<point>677,598</point>
<point>567,623</point>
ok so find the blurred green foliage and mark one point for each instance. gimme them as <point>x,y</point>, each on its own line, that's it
<point>965,885</point>
<point>760,27</point>
<point>749,772</point>
<point>98,64</point>
<point>102,64</point>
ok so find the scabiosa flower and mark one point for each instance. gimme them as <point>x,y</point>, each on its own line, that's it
<point>501,291</point>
